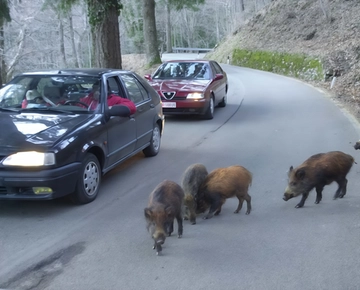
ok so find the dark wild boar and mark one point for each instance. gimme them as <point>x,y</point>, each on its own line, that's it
<point>223,183</point>
<point>357,145</point>
<point>316,172</point>
<point>193,177</point>
<point>165,204</point>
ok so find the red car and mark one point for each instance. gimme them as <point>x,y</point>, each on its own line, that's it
<point>190,87</point>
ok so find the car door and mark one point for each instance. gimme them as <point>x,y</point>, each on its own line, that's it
<point>145,109</point>
<point>219,85</point>
<point>121,130</point>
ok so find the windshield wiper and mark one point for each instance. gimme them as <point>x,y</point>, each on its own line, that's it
<point>9,109</point>
<point>48,110</point>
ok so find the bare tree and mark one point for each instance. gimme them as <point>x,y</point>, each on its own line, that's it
<point>150,33</point>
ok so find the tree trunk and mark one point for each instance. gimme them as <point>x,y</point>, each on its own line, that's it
<point>2,58</point>
<point>150,35</point>
<point>62,43</point>
<point>168,28</point>
<point>106,36</point>
<point>73,46</point>
<point>242,7</point>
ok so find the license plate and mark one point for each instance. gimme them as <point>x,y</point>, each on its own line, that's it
<point>169,105</point>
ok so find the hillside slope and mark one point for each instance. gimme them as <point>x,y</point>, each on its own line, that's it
<point>330,32</point>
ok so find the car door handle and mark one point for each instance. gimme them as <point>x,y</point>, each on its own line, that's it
<point>152,106</point>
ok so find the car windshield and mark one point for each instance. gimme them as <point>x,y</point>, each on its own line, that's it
<point>41,92</point>
<point>183,70</point>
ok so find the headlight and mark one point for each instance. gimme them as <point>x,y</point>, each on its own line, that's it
<point>30,158</point>
<point>195,96</point>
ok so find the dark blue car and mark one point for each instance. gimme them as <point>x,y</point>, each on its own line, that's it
<point>52,144</point>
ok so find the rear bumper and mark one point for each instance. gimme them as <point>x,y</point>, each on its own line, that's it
<point>19,184</point>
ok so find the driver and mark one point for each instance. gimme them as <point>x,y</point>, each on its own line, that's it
<point>92,99</point>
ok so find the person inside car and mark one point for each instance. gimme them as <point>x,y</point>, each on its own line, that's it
<point>92,99</point>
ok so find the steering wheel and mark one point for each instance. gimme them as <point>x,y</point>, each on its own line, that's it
<point>76,102</point>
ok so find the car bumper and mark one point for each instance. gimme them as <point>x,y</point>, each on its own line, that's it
<point>185,107</point>
<point>21,184</point>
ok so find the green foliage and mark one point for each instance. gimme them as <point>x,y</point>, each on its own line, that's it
<point>294,65</point>
<point>4,12</point>
<point>97,9</point>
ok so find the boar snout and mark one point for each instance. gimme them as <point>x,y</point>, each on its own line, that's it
<point>287,196</point>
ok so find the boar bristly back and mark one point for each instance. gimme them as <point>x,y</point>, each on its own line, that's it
<point>165,204</point>
<point>316,172</point>
<point>193,177</point>
<point>223,183</point>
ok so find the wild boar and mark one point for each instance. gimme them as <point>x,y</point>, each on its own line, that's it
<point>316,172</point>
<point>165,204</point>
<point>193,176</point>
<point>357,145</point>
<point>223,183</point>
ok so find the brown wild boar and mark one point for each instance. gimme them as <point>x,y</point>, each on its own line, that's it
<point>165,204</point>
<point>223,183</point>
<point>193,176</point>
<point>316,172</point>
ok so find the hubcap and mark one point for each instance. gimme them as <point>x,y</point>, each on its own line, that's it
<point>156,138</point>
<point>91,178</point>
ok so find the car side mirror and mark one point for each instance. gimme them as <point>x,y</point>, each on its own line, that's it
<point>120,111</point>
<point>218,77</point>
<point>148,77</point>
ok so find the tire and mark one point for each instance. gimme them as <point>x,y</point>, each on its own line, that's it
<point>88,184</point>
<point>223,102</point>
<point>210,110</point>
<point>154,147</point>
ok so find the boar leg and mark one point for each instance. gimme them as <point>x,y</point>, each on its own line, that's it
<point>170,228</point>
<point>302,201</point>
<point>180,225</point>
<point>241,200</point>
<point>319,190</point>
<point>248,203</point>
<point>158,249</point>
<point>343,189</point>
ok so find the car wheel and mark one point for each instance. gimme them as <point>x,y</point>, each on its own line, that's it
<point>224,101</point>
<point>154,147</point>
<point>210,111</point>
<point>88,184</point>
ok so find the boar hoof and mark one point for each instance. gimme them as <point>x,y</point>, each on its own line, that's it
<point>298,206</point>
<point>193,223</point>
<point>158,253</point>
<point>248,212</point>
<point>179,236</point>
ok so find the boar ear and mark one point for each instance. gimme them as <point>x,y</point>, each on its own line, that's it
<point>300,173</point>
<point>290,170</point>
<point>148,213</point>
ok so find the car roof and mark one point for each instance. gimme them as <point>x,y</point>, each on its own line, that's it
<point>76,71</point>
<point>188,60</point>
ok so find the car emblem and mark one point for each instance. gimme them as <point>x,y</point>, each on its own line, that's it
<point>168,95</point>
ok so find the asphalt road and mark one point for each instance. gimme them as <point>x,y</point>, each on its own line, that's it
<point>270,123</point>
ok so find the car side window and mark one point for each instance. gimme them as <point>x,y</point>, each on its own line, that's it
<point>113,86</point>
<point>217,68</point>
<point>137,92</point>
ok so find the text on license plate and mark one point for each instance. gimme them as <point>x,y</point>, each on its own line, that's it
<point>169,105</point>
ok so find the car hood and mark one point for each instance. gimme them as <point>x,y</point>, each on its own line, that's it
<point>180,85</point>
<point>29,131</point>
